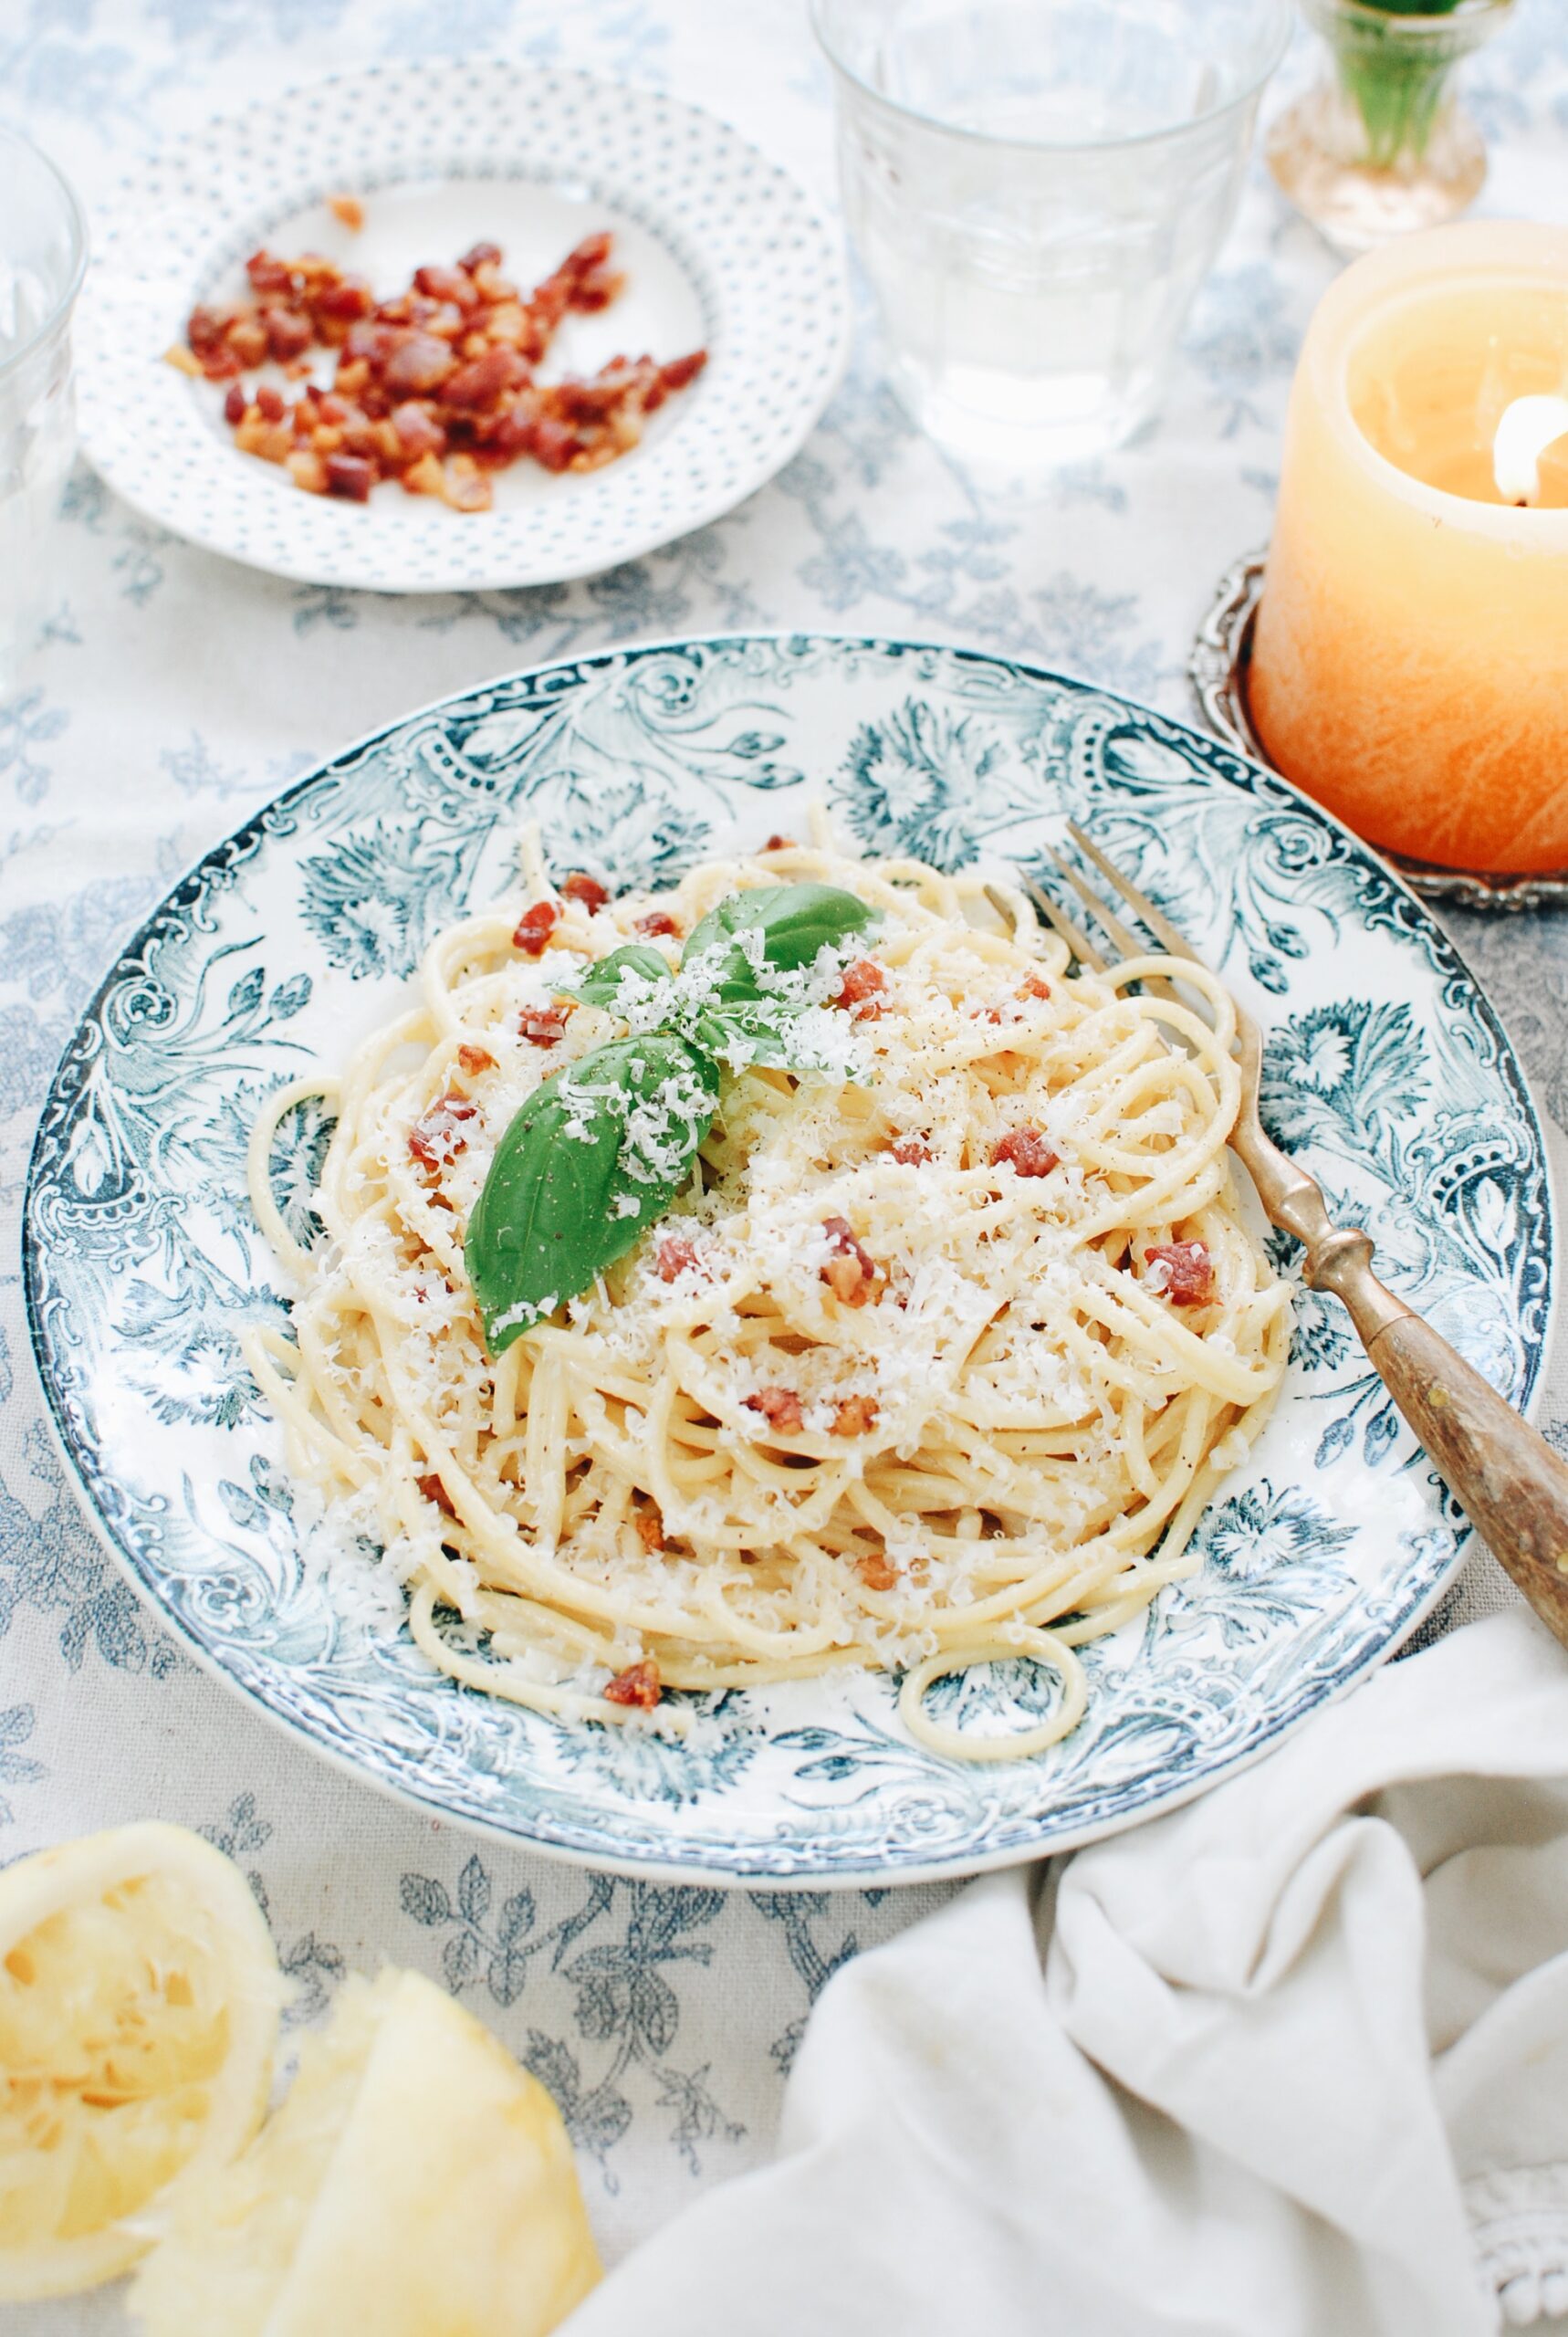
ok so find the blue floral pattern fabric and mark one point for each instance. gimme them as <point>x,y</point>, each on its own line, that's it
<point>170,696</point>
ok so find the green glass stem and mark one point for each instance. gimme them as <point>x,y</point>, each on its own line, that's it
<point>1398,95</point>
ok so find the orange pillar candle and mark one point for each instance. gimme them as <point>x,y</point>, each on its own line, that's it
<point>1410,660</point>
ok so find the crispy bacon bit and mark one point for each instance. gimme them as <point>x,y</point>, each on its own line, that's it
<point>596,287</point>
<point>863,980</point>
<point>248,343</point>
<point>650,1526</point>
<point>535,927</point>
<point>851,1271</point>
<point>351,477</point>
<point>270,276</point>
<point>462,338</point>
<point>682,370</point>
<point>875,1572</point>
<point>437,1137</point>
<point>544,1026</point>
<point>342,303</point>
<point>1189,1278</point>
<point>856,1416</point>
<point>555,446</point>
<point>447,284</point>
<point>366,343</point>
<point>655,922</point>
<point>581,281</point>
<point>475,1058</point>
<point>912,1151</point>
<point>484,381</point>
<point>349,209</point>
<point>434,1491</point>
<point>1028,1151</point>
<point>673,1256</point>
<point>287,335</point>
<point>581,886</point>
<point>425,478</point>
<point>780,1408</point>
<point>780,843</point>
<point>206,327</point>
<point>841,1235</point>
<point>1033,986</point>
<point>846,1279</point>
<point>465,485</point>
<point>638,1685</point>
<point>419,433</point>
<point>419,364</point>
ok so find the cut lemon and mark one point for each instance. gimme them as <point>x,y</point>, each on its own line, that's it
<point>139,2004</point>
<point>415,2183</point>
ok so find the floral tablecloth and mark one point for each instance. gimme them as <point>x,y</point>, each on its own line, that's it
<point>172,693</point>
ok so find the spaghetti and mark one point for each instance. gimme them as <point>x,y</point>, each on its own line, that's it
<point>935,1359</point>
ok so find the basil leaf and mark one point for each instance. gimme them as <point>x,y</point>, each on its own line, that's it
<point>771,1034</point>
<point>795,922</point>
<point>619,1127</point>
<point>601,982</point>
<point>743,1033</point>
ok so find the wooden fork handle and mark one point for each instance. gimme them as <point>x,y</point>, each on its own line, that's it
<point>1512,1486</point>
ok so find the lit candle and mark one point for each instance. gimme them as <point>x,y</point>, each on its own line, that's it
<point>1528,427</point>
<point>1410,661</point>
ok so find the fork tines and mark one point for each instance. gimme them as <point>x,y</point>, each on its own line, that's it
<point>1168,936</point>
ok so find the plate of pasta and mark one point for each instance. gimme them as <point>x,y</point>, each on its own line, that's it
<point>600,1262</point>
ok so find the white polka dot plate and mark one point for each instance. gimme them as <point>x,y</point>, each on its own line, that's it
<point>720,250</point>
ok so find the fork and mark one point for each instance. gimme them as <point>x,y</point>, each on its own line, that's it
<point>1507,1478</point>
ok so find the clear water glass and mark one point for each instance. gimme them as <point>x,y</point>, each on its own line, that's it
<point>1036,189</point>
<point>43,251</point>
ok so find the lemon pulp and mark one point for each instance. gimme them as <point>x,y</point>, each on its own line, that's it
<point>139,1999</point>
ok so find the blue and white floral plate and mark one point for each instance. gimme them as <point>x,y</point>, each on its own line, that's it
<point>1387,1073</point>
<point>720,249</point>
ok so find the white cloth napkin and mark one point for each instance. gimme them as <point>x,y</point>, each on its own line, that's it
<point>1291,2060</point>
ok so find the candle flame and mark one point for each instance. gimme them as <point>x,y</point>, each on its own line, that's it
<point>1527,428</point>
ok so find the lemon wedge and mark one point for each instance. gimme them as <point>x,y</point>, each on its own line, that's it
<point>138,2005</point>
<point>415,2183</point>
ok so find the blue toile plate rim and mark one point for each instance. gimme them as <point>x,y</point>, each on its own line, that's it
<point>1388,1071</point>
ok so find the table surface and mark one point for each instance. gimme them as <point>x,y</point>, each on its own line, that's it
<point>173,692</point>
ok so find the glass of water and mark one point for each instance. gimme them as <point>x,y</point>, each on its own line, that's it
<point>1036,189</point>
<point>43,251</point>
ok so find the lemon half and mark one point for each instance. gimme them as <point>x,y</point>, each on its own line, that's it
<point>139,2007</point>
<point>415,2183</point>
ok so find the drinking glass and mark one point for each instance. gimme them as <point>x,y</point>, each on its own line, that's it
<point>1036,189</point>
<point>43,251</point>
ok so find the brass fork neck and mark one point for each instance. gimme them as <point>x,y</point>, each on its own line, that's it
<point>1338,1259</point>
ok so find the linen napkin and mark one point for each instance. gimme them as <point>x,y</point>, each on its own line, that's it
<point>1290,2060</point>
